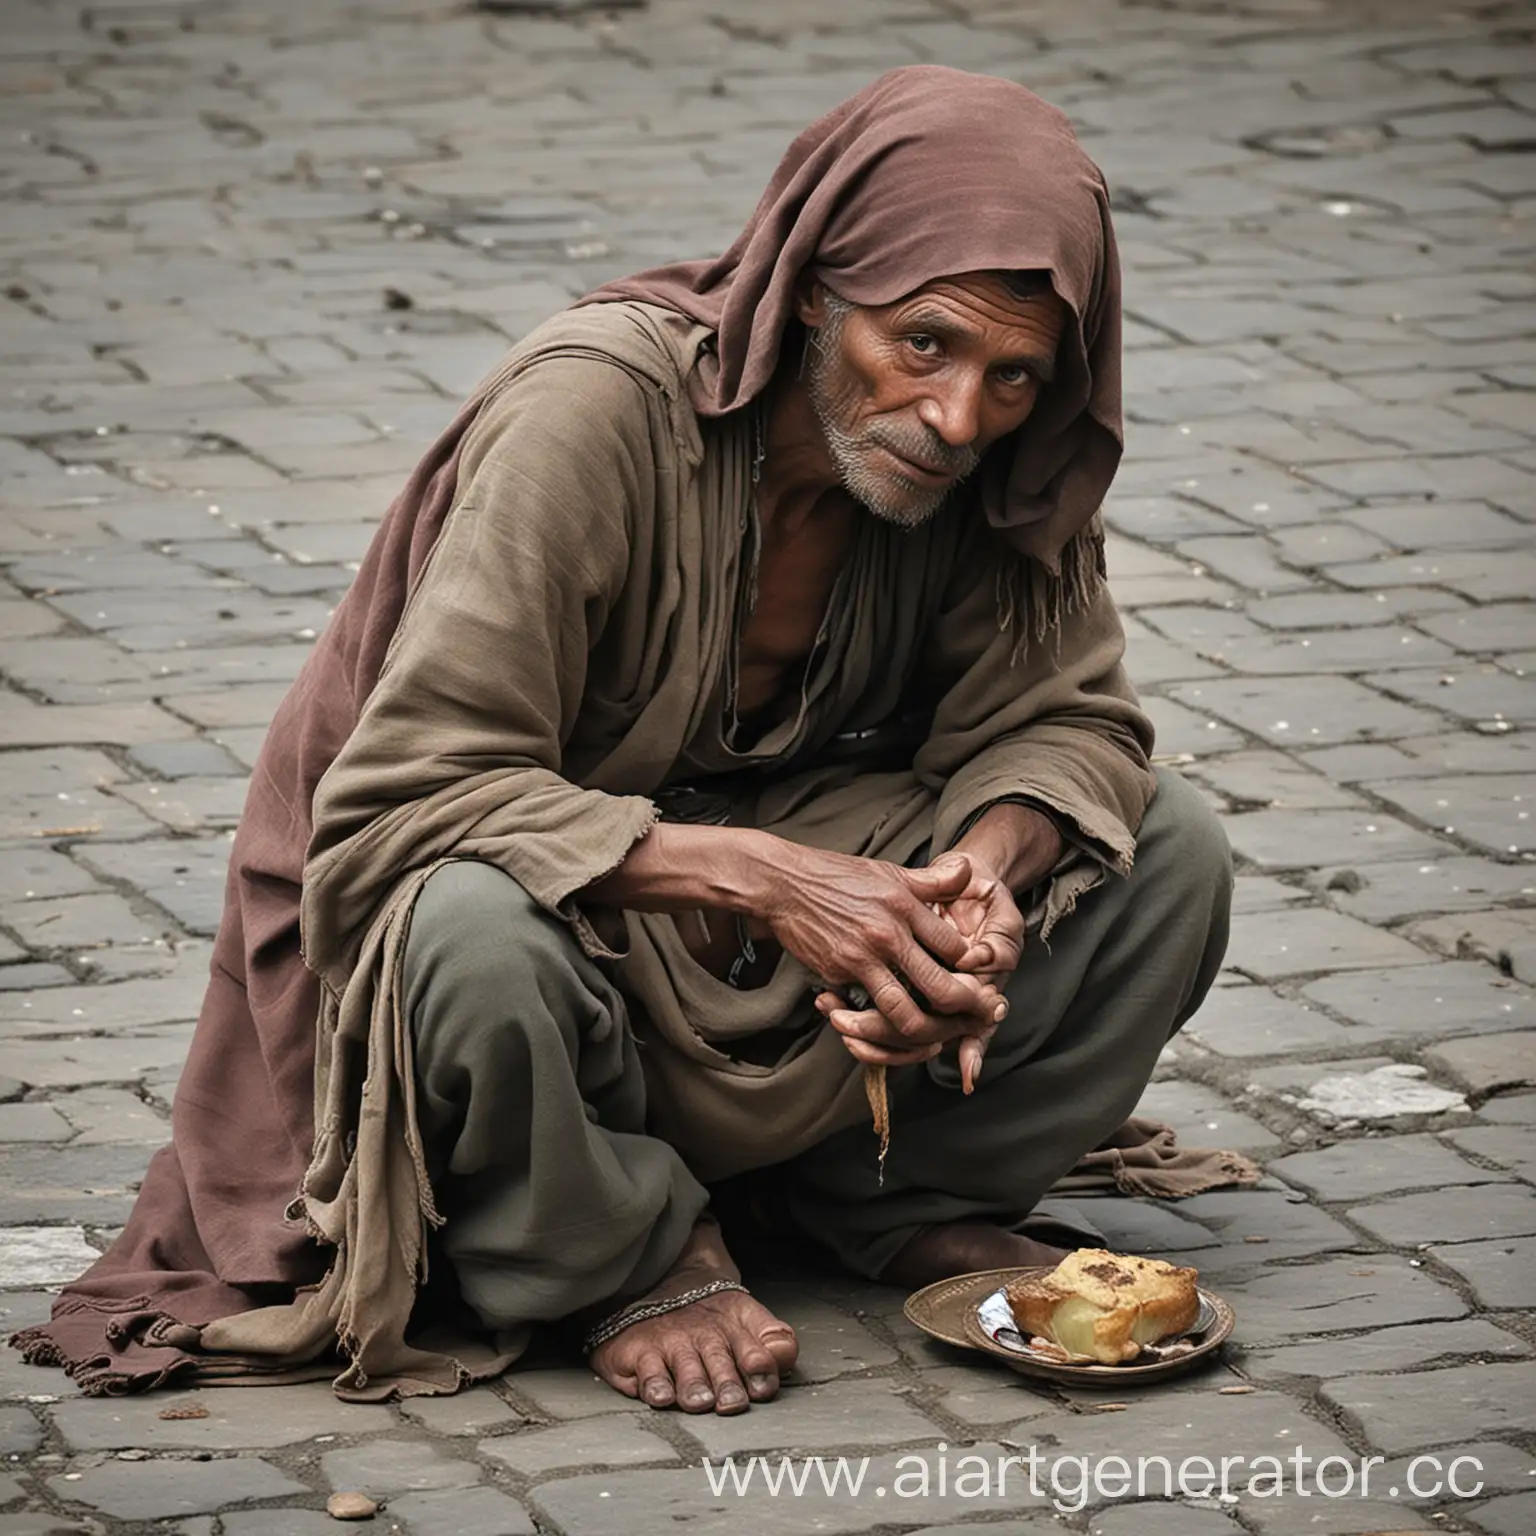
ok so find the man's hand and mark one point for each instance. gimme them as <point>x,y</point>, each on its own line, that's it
<point>865,923</point>
<point>983,912</point>
<point>988,917</point>
<point>857,923</point>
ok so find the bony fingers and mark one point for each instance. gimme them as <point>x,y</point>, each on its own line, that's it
<point>973,1052</point>
<point>872,1055</point>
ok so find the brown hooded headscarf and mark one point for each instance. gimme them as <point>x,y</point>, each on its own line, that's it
<point>929,173</point>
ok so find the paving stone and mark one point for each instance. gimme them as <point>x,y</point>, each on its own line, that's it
<point>38,1523</point>
<point>1162,1519</point>
<point>1513,1109</point>
<point>384,1467</point>
<point>1438,525</point>
<point>981,1398</point>
<point>235,1421</point>
<point>1409,1347</point>
<point>1387,893</point>
<point>570,1393</point>
<point>1269,945</point>
<point>1144,1226</point>
<point>465,1413</point>
<point>92,1185</point>
<point>1450,998</point>
<point>1345,1517</point>
<point>831,1342</point>
<point>28,978</point>
<point>1190,732</point>
<point>20,1432</point>
<point>1304,711</point>
<point>101,1115</point>
<point>43,1255</point>
<point>1203,1118</point>
<point>1330,610</point>
<point>26,873</point>
<point>1453,751</point>
<point>1488,1062</point>
<point>33,1122</point>
<point>1379,1165</point>
<point>1259,1226</point>
<point>1502,1271</point>
<point>169,1486</point>
<point>1457,1403</point>
<point>1506,940</point>
<point>119,1007</point>
<point>1479,694</point>
<point>1512,1515</point>
<point>1484,810</point>
<point>1352,1291</point>
<point>1261,893</point>
<point>184,875</point>
<point>836,1413</point>
<point>74,922</point>
<point>191,804</point>
<point>1488,627</point>
<point>1451,1215</point>
<point>281,1521</point>
<point>1508,1146</point>
<point>186,759</point>
<point>1261,779</point>
<point>615,1441</point>
<point>1254,1021</point>
<point>461,1512</point>
<point>1302,839</point>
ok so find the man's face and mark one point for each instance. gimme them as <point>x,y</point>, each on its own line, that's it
<point>911,395</point>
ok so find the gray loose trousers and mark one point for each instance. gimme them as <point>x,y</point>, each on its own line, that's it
<point>531,1094</point>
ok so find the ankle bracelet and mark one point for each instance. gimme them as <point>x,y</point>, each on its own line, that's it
<point>643,1311</point>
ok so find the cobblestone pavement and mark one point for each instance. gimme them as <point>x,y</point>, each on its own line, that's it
<point>252,255</point>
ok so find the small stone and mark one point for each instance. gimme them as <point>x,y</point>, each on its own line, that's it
<point>396,298</point>
<point>1233,1391</point>
<point>185,1411</point>
<point>351,1506</point>
<point>1347,880</point>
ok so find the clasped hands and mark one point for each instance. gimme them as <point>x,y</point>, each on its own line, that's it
<point>930,948</point>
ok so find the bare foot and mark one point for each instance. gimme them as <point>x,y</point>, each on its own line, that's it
<point>723,1353</point>
<point>962,1248</point>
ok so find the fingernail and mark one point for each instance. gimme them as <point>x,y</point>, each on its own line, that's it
<point>1000,1012</point>
<point>730,1397</point>
<point>700,1395</point>
<point>759,1382</point>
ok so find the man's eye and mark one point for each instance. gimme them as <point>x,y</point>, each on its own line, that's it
<point>1013,375</point>
<point>925,346</point>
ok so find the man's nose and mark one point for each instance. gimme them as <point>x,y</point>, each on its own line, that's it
<point>953,410</point>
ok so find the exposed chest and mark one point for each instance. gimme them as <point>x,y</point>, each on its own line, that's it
<point>797,572</point>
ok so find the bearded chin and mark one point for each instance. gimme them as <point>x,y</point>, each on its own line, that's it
<point>881,494</point>
<point>890,497</point>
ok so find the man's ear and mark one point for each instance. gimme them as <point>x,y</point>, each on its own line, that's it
<point>810,301</point>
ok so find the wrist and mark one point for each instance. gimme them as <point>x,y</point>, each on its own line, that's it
<point>753,877</point>
<point>1020,844</point>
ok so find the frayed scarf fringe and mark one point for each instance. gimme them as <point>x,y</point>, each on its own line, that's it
<point>1032,600</point>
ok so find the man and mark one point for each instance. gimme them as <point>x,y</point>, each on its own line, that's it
<point>731,690</point>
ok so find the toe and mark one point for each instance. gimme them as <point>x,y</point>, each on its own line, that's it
<point>656,1386</point>
<point>730,1394</point>
<point>694,1392</point>
<point>780,1342</point>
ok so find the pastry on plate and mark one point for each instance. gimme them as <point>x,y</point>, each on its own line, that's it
<point>1106,1307</point>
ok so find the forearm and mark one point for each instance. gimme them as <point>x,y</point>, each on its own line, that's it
<point>682,868</point>
<point>1018,843</point>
